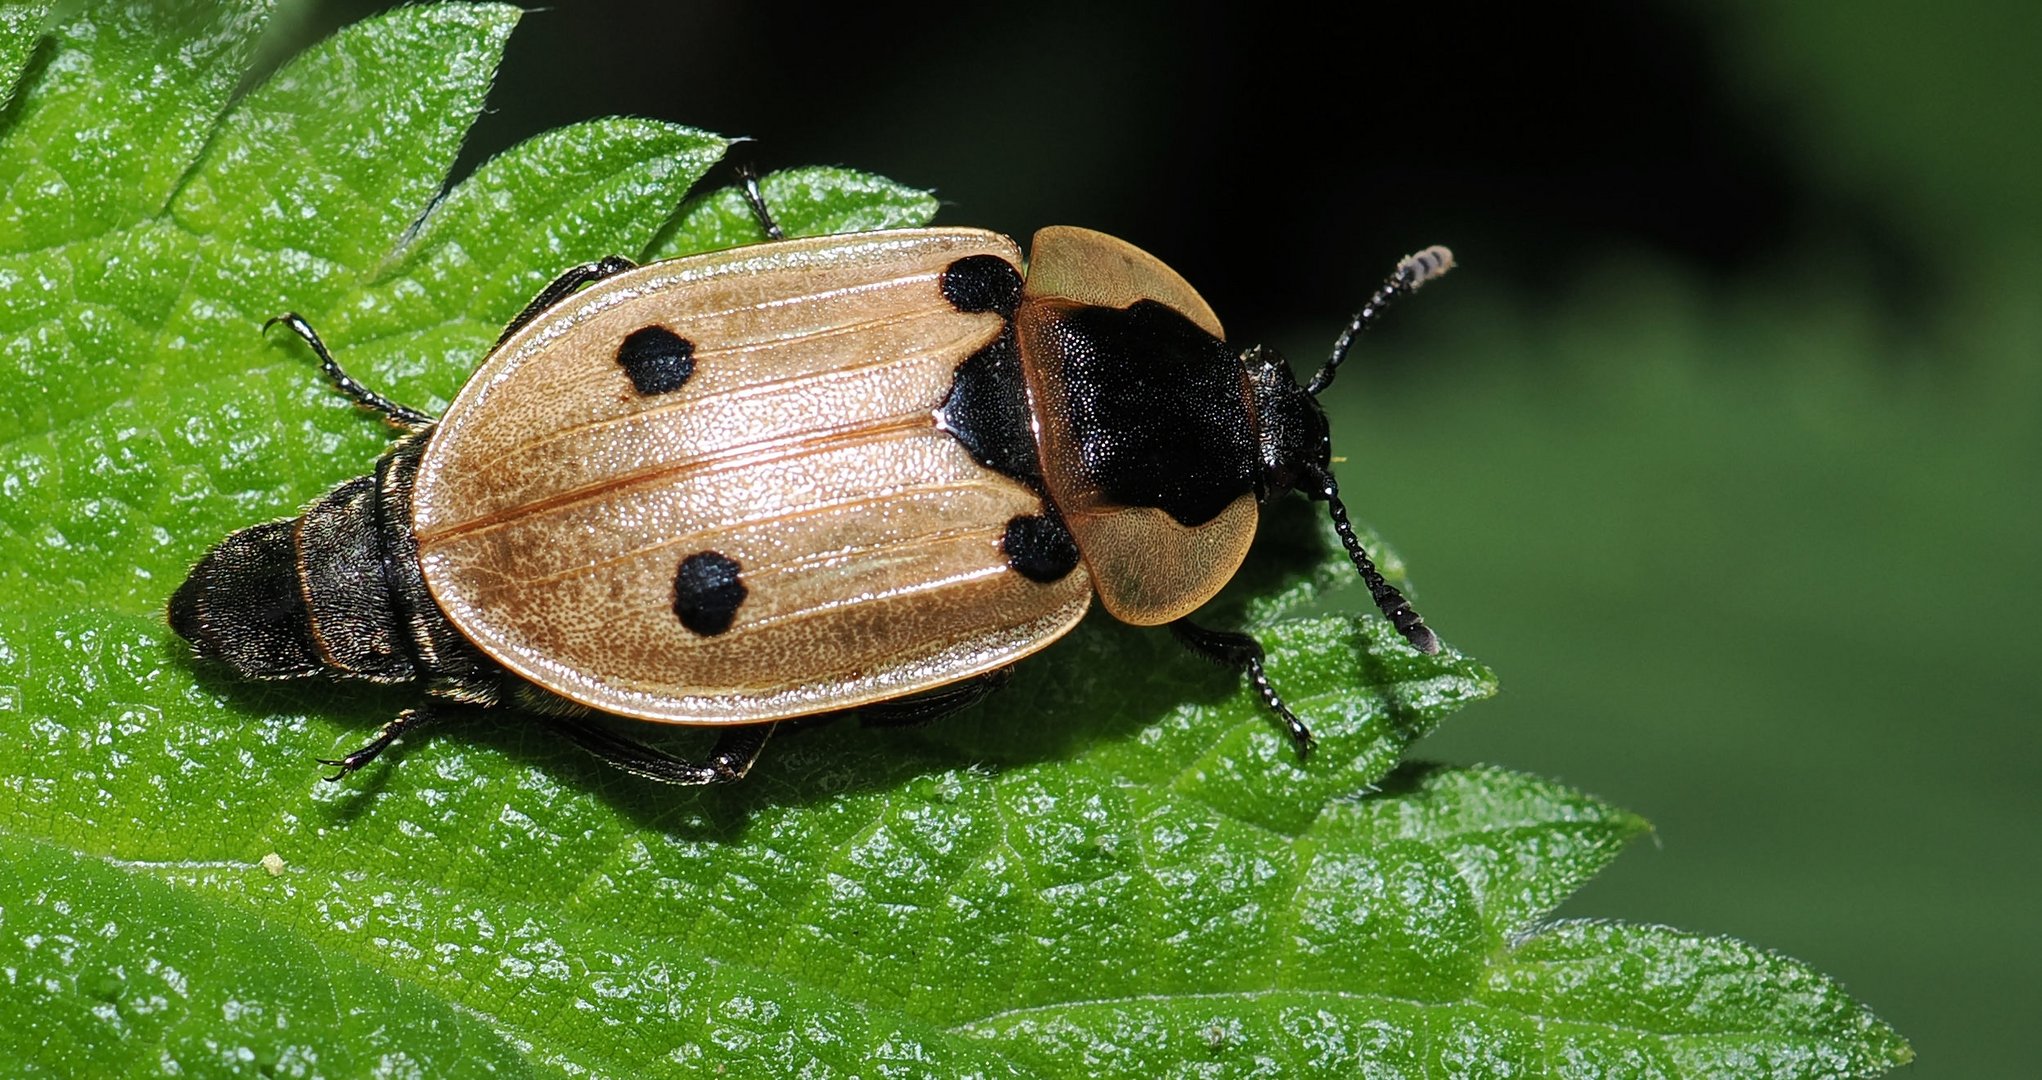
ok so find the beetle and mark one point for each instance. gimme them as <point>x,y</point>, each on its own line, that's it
<point>862,472</point>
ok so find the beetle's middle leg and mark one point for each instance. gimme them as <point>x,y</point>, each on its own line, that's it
<point>737,748</point>
<point>1241,651</point>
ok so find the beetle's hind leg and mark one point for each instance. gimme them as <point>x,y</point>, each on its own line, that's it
<point>1241,651</point>
<point>402,415</point>
<point>408,722</point>
<point>571,279</point>
<point>737,747</point>
<point>935,704</point>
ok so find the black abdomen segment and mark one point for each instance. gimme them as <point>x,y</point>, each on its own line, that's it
<point>450,664</point>
<point>309,596</point>
<point>347,592</point>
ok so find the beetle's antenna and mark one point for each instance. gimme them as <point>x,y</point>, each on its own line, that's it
<point>1411,272</point>
<point>401,415</point>
<point>1387,597</point>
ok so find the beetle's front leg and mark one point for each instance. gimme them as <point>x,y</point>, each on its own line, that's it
<point>574,278</point>
<point>749,178</point>
<point>1237,650</point>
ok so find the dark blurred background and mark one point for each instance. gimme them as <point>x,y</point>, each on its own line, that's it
<point>1721,447</point>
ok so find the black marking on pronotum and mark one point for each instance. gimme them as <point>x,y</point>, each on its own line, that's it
<point>1160,410</point>
<point>707,592</point>
<point>987,411</point>
<point>982,283</point>
<point>658,360</point>
<point>1040,548</point>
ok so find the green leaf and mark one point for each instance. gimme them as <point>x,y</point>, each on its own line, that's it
<point>1115,867</point>
<point>20,27</point>
<point>812,201</point>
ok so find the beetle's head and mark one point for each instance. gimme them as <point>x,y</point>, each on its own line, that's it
<point>1296,448</point>
<point>1297,454</point>
<point>242,606</point>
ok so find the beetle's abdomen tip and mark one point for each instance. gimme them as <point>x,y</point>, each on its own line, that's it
<point>241,605</point>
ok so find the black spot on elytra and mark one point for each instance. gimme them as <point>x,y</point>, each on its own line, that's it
<point>1040,548</point>
<point>707,592</point>
<point>982,283</point>
<point>658,360</point>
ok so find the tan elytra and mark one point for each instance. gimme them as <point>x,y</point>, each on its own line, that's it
<point>554,501</point>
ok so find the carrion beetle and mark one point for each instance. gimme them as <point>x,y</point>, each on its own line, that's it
<point>860,472</point>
